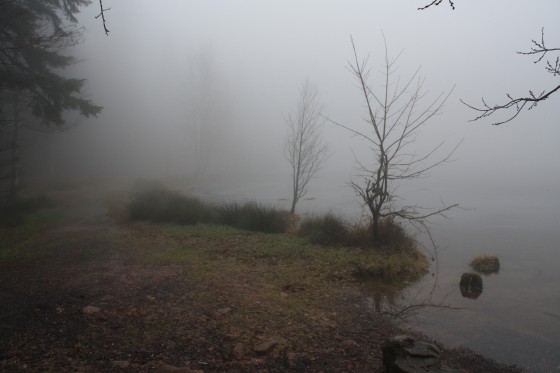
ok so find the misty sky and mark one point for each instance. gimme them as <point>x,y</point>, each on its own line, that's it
<point>262,51</point>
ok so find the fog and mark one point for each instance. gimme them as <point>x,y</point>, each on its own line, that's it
<point>198,92</point>
<point>260,52</point>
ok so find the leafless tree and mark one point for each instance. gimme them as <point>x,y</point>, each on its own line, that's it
<point>517,104</point>
<point>208,110</point>
<point>303,146</point>
<point>393,121</point>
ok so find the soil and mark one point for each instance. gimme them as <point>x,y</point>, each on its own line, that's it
<point>94,306</point>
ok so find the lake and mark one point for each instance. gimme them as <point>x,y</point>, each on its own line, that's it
<point>516,319</point>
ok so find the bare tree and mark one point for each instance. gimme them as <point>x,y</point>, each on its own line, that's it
<point>303,146</point>
<point>207,105</point>
<point>393,121</point>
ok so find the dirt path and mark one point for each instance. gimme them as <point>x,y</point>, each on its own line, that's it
<point>99,302</point>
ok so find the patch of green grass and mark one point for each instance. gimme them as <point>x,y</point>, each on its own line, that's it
<point>404,266</point>
<point>209,248</point>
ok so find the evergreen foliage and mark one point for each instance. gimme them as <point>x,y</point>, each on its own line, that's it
<point>34,36</point>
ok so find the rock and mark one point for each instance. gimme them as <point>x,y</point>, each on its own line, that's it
<point>471,285</point>
<point>292,357</point>
<point>348,343</point>
<point>404,354</point>
<point>486,264</point>
<point>120,363</point>
<point>172,369</point>
<point>264,347</point>
<point>239,351</point>
<point>221,312</point>
<point>233,333</point>
<point>88,310</point>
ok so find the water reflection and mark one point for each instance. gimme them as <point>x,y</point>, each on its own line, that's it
<point>382,298</point>
<point>400,303</point>
<point>470,285</point>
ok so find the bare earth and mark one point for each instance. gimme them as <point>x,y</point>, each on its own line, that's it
<point>97,305</point>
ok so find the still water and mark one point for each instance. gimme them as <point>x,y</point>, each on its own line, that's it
<point>516,319</point>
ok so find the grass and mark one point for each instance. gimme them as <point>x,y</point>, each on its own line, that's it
<point>395,258</point>
<point>327,229</point>
<point>254,216</point>
<point>486,264</point>
<point>152,202</point>
<point>401,267</point>
<point>173,228</point>
<point>155,203</point>
<point>22,227</point>
<point>15,213</point>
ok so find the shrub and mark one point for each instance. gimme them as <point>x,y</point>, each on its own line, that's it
<point>392,236</point>
<point>254,216</point>
<point>155,203</point>
<point>327,229</point>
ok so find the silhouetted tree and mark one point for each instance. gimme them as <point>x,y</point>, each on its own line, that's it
<point>33,38</point>
<point>394,119</point>
<point>303,147</point>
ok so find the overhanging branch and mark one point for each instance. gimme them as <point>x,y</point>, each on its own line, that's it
<point>102,15</point>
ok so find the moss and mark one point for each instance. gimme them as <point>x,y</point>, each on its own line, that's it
<point>485,264</point>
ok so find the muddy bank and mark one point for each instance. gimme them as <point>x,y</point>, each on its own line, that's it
<point>92,294</point>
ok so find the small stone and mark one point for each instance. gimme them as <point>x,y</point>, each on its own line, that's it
<point>172,369</point>
<point>150,298</point>
<point>239,351</point>
<point>267,345</point>
<point>88,310</point>
<point>233,333</point>
<point>292,358</point>
<point>120,363</point>
<point>222,312</point>
<point>349,343</point>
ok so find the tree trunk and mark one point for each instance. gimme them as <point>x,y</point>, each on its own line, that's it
<point>14,158</point>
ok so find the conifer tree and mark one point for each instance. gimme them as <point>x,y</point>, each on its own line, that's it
<point>34,37</point>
